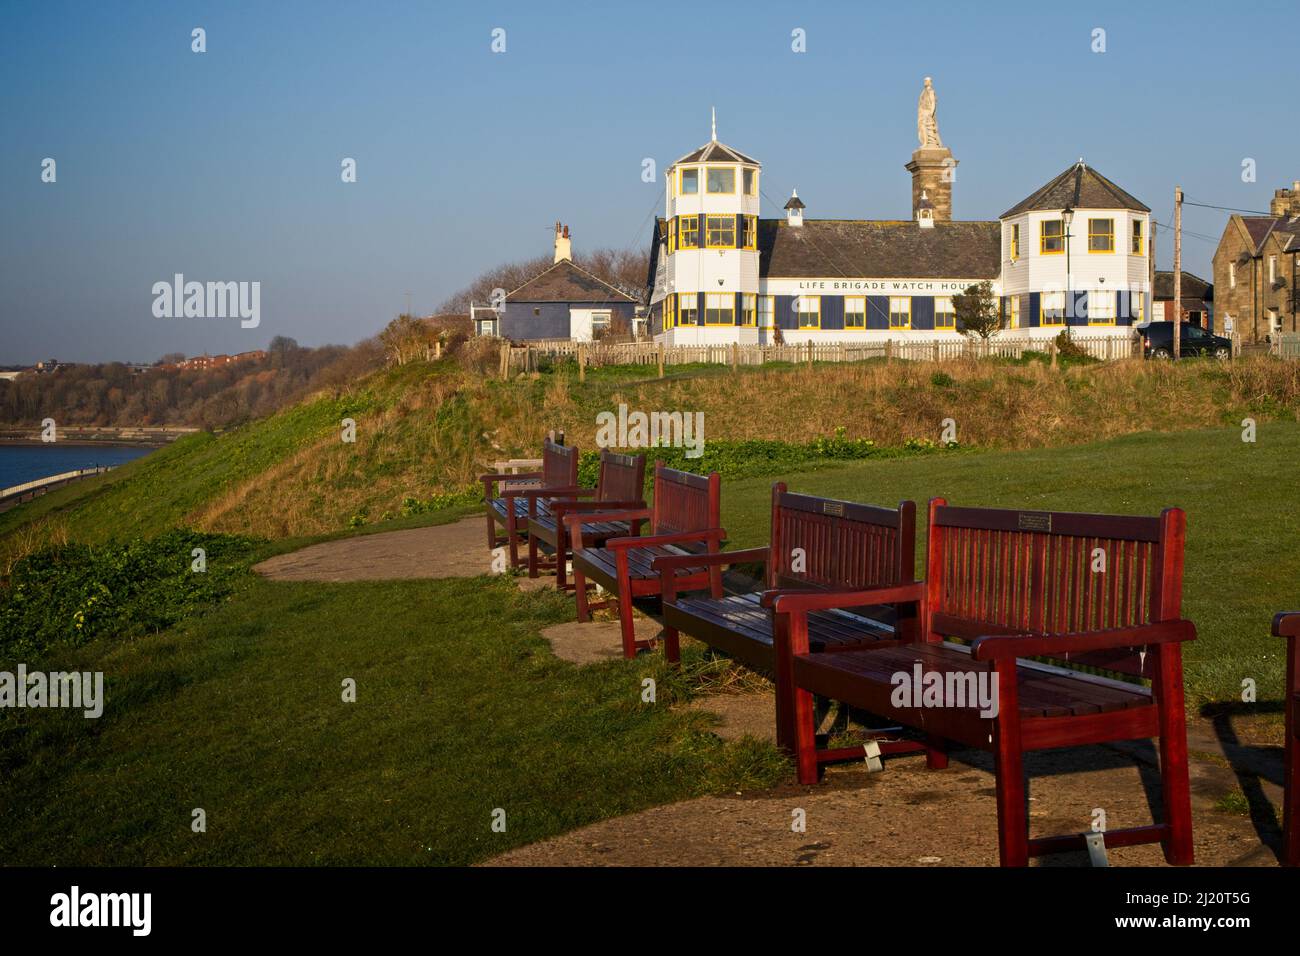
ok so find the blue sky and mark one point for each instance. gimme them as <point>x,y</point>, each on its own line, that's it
<point>226,165</point>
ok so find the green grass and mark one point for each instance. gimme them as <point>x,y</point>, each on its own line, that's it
<point>460,709</point>
<point>1241,561</point>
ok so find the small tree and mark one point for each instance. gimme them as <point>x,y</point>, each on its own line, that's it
<point>977,310</point>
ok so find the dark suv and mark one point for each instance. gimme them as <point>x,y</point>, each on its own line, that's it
<point>1158,341</point>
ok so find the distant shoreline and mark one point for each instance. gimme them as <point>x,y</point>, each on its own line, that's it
<point>85,442</point>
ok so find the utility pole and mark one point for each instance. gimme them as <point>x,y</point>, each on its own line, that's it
<point>1178,268</point>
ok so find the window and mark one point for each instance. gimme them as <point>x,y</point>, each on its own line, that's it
<point>720,179</point>
<point>855,312</point>
<point>945,316</point>
<point>751,232</point>
<point>719,308</point>
<point>748,304</point>
<point>1101,307</point>
<point>1014,312</point>
<point>672,236</point>
<point>1051,237</point>
<point>766,311</point>
<point>1140,311</point>
<point>688,308</point>
<point>1272,268</point>
<point>1053,308</point>
<point>599,321</point>
<point>1138,244</point>
<point>720,232</point>
<point>751,182</point>
<point>1015,241</point>
<point>1101,235</point>
<point>1232,275</point>
<point>688,235</point>
<point>900,312</point>
<point>690,182</point>
<point>670,308</point>
<point>808,308</point>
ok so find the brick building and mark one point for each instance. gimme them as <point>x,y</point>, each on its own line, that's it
<point>1255,271</point>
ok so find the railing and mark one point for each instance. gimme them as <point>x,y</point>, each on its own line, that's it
<point>15,494</point>
<point>526,358</point>
<point>1286,344</point>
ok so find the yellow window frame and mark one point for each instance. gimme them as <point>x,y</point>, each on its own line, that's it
<point>800,312</point>
<point>1043,237</point>
<point>1014,319</point>
<point>1114,308</point>
<point>1042,312</point>
<point>749,310</point>
<point>670,301</point>
<point>1108,235</point>
<point>892,313</point>
<point>1139,239</point>
<point>751,232</point>
<point>682,310</point>
<point>681,180</point>
<point>951,313</point>
<point>721,229</point>
<point>692,230</point>
<point>729,312</point>
<point>720,192</point>
<point>672,235</point>
<point>1015,241</point>
<point>752,176</point>
<point>862,312</point>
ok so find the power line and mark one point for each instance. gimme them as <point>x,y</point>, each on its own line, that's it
<point>1203,205</point>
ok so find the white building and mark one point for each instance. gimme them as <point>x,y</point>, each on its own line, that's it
<point>1074,253</point>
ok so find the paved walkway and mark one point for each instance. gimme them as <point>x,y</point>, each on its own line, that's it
<point>443,551</point>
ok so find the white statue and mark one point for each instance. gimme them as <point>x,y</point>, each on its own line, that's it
<point>927,127</point>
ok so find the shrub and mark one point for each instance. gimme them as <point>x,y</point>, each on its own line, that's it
<point>74,593</point>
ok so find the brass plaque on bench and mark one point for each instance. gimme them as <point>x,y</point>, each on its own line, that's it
<point>833,508</point>
<point>1035,522</point>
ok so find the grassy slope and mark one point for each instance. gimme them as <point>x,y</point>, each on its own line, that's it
<point>459,710</point>
<point>424,428</point>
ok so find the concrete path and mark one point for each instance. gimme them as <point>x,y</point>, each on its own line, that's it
<point>444,551</point>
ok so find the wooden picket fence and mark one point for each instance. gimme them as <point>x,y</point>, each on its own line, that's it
<point>527,358</point>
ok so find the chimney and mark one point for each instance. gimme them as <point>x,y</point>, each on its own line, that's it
<point>563,247</point>
<point>1286,202</point>
<point>794,210</point>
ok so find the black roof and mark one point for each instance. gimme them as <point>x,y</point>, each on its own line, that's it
<point>885,249</point>
<point>1080,187</point>
<point>1194,287</point>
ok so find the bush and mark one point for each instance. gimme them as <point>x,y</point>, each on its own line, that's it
<point>74,593</point>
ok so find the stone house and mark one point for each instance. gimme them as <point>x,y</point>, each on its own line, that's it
<point>1255,271</point>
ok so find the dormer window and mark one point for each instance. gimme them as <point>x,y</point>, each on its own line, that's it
<point>751,182</point>
<point>721,179</point>
<point>690,182</point>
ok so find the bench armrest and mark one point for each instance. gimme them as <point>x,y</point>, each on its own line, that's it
<point>785,601</point>
<point>670,562</point>
<point>495,478</point>
<point>1286,624</point>
<point>653,540</point>
<point>1002,646</point>
<point>573,522</point>
<point>543,492</point>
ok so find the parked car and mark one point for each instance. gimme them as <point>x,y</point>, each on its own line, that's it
<point>1158,341</point>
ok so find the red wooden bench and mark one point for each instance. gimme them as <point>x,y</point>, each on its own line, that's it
<point>526,495</point>
<point>620,485</point>
<point>1287,624</point>
<point>684,519</point>
<point>817,545</point>
<point>1020,584</point>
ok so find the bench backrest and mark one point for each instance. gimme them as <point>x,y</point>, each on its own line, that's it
<point>685,502</point>
<point>622,477</point>
<point>842,545</point>
<point>993,571</point>
<point>559,465</point>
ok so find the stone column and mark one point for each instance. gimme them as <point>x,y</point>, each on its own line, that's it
<point>933,171</point>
